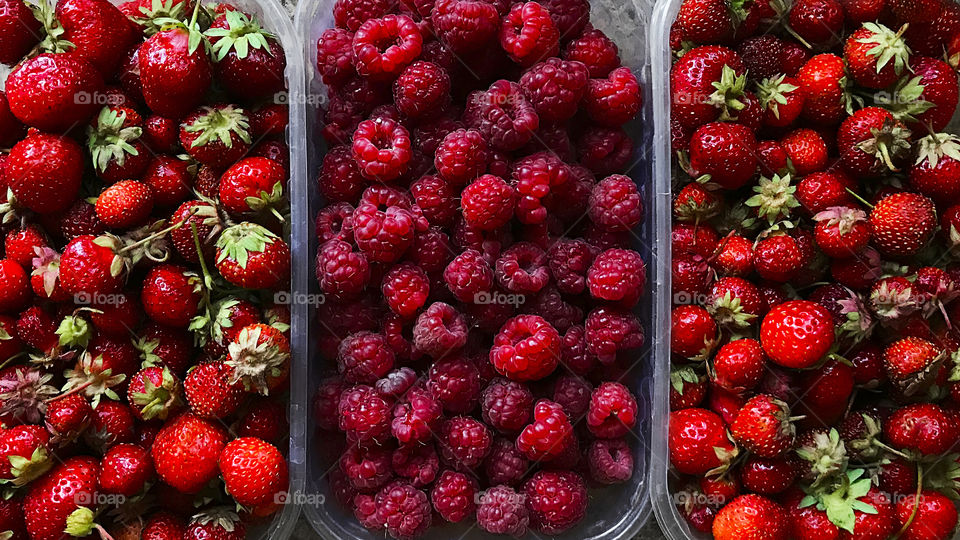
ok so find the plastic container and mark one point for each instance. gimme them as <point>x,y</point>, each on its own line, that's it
<point>614,513</point>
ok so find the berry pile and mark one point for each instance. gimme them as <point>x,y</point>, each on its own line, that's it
<point>815,387</point>
<point>144,358</point>
<point>475,263</point>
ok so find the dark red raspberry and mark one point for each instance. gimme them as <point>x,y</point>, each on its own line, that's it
<point>364,357</point>
<point>342,490</point>
<point>610,461</point>
<point>404,510</point>
<point>554,139</point>
<point>596,51</point>
<point>340,179</point>
<point>431,251</point>
<point>465,25</point>
<point>335,56</point>
<point>557,500</point>
<point>365,510</point>
<point>417,417</point>
<point>399,334</point>
<point>422,89</point>
<point>455,382</point>
<point>405,289</point>
<point>612,331</point>
<point>502,511</point>
<point>334,223</point>
<point>549,435</point>
<point>367,469</point>
<point>500,163</point>
<point>551,305</point>
<point>528,34</point>
<point>522,268</point>
<point>468,275</point>
<point>613,411</point>
<point>454,496</point>
<point>440,331</point>
<point>488,203</point>
<point>383,232</point>
<point>381,148</point>
<point>488,243</point>
<point>350,14</point>
<point>489,317</point>
<point>384,195</point>
<point>461,156</point>
<point>570,16</point>
<point>569,260</point>
<point>326,402</point>
<point>574,353</point>
<point>396,383</point>
<point>340,119</point>
<point>534,177</point>
<point>618,275</point>
<point>344,318</point>
<point>364,93</point>
<point>572,392</point>
<point>605,150</point>
<point>504,116</point>
<point>506,405</point>
<point>436,199</point>
<point>383,47</point>
<point>615,100</point>
<point>464,442</point>
<point>422,8</point>
<point>569,202</point>
<point>364,414</point>
<point>761,56</point>
<point>342,272</point>
<point>615,204</point>
<point>527,348</point>
<point>555,88</point>
<point>505,464</point>
<point>427,136</point>
<point>418,463</point>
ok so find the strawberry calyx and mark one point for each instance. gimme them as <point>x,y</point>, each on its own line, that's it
<point>826,456</point>
<point>842,217</point>
<point>222,517</point>
<point>82,522</point>
<point>24,470</point>
<point>53,30</point>
<point>146,347</point>
<point>156,401</point>
<point>220,123</point>
<point>858,324</point>
<point>25,397</point>
<point>943,475</point>
<point>46,265</point>
<point>242,34</point>
<point>728,312</point>
<point>775,198</point>
<point>726,456</point>
<point>109,141</point>
<point>890,45</point>
<point>738,10</point>
<point>238,241</point>
<point>772,93</point>
<point>195,35</point>
<point>891,303</point>
<point>90,379</point>
<point>271,201</point>
<point>729,89</point>
<point>680,376</point>
<point>11,210</point>
<point>842,501</point>
<point>159,11</point>
<point>906,101</point>
<point>255,357</point>
<point>936,146</point>
<point>888,143</point>
<point>74,331</point>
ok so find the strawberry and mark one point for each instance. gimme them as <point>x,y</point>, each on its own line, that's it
<point>11,519</point>
<point>67,417</point>
<point>695,203</point>
<point>112,424</point>
<point>252,257</point>
<point>916,11</point>
<point>99,32</point>
<point>806,150</point>
<point>912,364</point>
<point>863,11</point>
<point>44,172</point>
<point>117,316</point>
<point>10,345</point>
<point>687,388</point>
<point>37,329</point>
<point>927,96</point>
<point>734,302</point>
<point>750,516</point>
<point>204,217</point>
<point>816,23</point>
<point>161,134</point>
<point>842,231</point>
<point>739,365</point>
<point>21,244</point>
<point>154,392</point>
<point>249,61</point>
<point>253,185</point>
<point>782,100</point>
<point>710,21</point>
<point>216,135</point>
<point>826,391</point>
<point>936,173</point>
<point>930,516</point>
<point>698,442</point>
<point>254,472</point>
<point>922,427</point>
<point>125,469</point>
<point>950,226</point>
<point>11,130</point>
<point>71,485</point>
<point>903,223</point>
<point>704,83</point>
<point>163,525</point>
<point>21,31</point>
<point>164,346</point>
<point>797,334</point>
<point>185,452</point>
<point>169,180</point>
<point>259,356</point>
<point>174,70</point>
<point>872,143</point>
<point>778,258</point>
<point>266,419</point>
<point>227,318</point>
<point>694,332</point>
<point>823,81</point>
<point>210,392</point>
<point>819,191</point>
<point>90,266</point>
<point>768,476</point>
<point>216,524</point>
<point>24,454</point>
<point>876,56</point>
<point>113,140</point>
<point>763,426</point>
<point>171,295</point>
<point>54,92</point>
<point>723,153</point>
<point>14,286</point>
<point>734,256</point>
<point>124,205</point>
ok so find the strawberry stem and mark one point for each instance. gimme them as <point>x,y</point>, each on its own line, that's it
<point>916,505</point>
<point>207,278</point>
<point>859,198</point>
<point>103,532</point>
<point>150,238</point>
<point>11,359</point>
<point>75,390</point>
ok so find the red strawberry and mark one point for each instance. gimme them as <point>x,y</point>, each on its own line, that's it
<point>912,364</point>
<point>695,203</point>
<point>763,426</point>
<point>797,334</point>
<point>876,56</point>
<point>21,31</point>
<point>819,191</point>
<point>10,345</point>
<point>99,32</point>
<point>24,454</point>
<point>782,100</point>
<point>826,391</point>
<point>750,516</point>
<point>44,172</point>
<point>266,419</point>
<point>21,244</point>
<point>54,92</point>
<point>930,516</point>
<point>936,173</point>
<point>71,485</point>
<point>15,289</point>
<point>163,526</point>
<point>927,96</point>
<point>694,332</point>
<point>115,145</point>
<point>842,232</point>
<point>252,257</point>
<point>216,524</point>
<point>171,295</point>
<point>816,23</point>
<point>185,452</point>
<point>227,318</point>
<point>739,365</point>
<point>11,130</point>
<point>778,258</point>
<point>204,217</point>
<point>723,153</point>
<point>90,266</point>
<point>165,346</point>
<point>124,205</point>
<point>253,185</point>
<point>112,424</point>
<point>154,392</point>
<point>922,427</point>
<point>903,223</point>
<point>259,356</point>
<point>711,21</point>
<point>699,442</point>
<point>806,150</point>
<point>254,472</point>
<point>768,476</point>
<point>687,388</point>
<point>67,417</point>
<point>210,392</point>
<point>174,70</point>
<point>216,135</point>
<point>249,61</point>
<point>125,469</point>
<point>692,89</point>
<point>916,11</point>
<point>872,143</point>
<point>169,179</point>
<point>823,81</point>
<point>11,519</point>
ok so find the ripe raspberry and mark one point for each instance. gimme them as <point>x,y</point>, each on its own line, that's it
<point>461,156</point>
<point>405,289</point>
<point>549,435</point>
<point>615,204</point>
<point>555,88</point>
<point>440,331</point>
<point>418,463</point>
<point>332,223</point>
<point>574,353</point>
<point>396,383</point>
<point>383,47</point>
<point>488,243</point>
<point>528,34</point>
<point>364,414</point>
<point>570,16</point>
<point>468,275</point>
<point>503,511</point>
<point>464,442</point>
<point>350,14</point>
<point>417,417</point>
<point>465,25</point>
<point>383,231</point>
<point>613,101</point>
<point>504,116</point>
<point>557,500</point>
<point>596,51</point>
<point>522,268</point>
<point>573,393</point>
<point>487,203</point>
<point>367,469</point>
<point>506,405</point>
<point>527,348</point>
<point>605,150</point>
<point>455,383</point>
<point>454,496</point>
<point>340,179</point>
<point>610,332</point>
<point>534,176</point>
<point>404,510</point>
<point>326,401</point>
<point>423,88</point>
<point>340,119</point>
<point>427,135</point>
<point>381,148</point>
<point>436,199</point>
<point>342,272</point>
<point>335,56</point>
<point>364,357</point>
<point>365,510</point>
<point>431,251</point>
<point>569,202</point>
<point>505,464</point>
<point>613,411</point>
<point>569,260</point>
<point>551,305</point>
<point>610,461</point>
<point>618,275</point>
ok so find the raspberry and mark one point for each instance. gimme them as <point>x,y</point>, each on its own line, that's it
<point>405,288</point>
<point>396,383</point>
<point>427,136</point>
<point>421,8</point>
<point>557,500</point>
<point>461,156</point>
<point>551,305</point>
<point>554,139</point>
<point>383,195</point>
<point>549,435</point>
<point>464,442</point>
<point>416,418</point>
<point>454,495</point>
<point>555,88</point>
<point>605,150</point>
<point>381,148</point>
<point>326,401</point>
<point>574,354</point>
<point>342,490</point>
<point>440,330</point>
<point>528,34</point>
<point>761,56</point>
<point>526,348</point>
<point>340,119</point>
<point>365,510</point>
<point>522,268</point>
<point>487,203</point>
<point>350,14</point>
<point>613,101</point>
<point>596,51</point>
<point>504,116</point>
<point>572,392</point>
<point>364,357</point>
<point>535,175</point>
<point>569,261</point>
<point>383,235</point>
<point>423,88</point>
<point>506,405</point>
<point>418,463</point>
<point>334,223</point>
<point>455,383</point>
<point>488,318</point>
<point>431,251</point>
<point>610,461</point>
<point>570,16</point>
<point>488,243</point>
<point>618,275</point>
<point>468,275</point>
<point>503,511</point>
<point>465,25</point>
<point>335,56</point>
<point>436,200</point>
<point>383,47</point>
<point>615,204</point>
<point>340,179</point>
<point>613,411</point>
<point>367,469</point>
<point>611,331</point>
<point>569,202</point>
<point>342,272</point>
<point>505,464</point>
<point>364,414</point>
<point>404,510</point>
